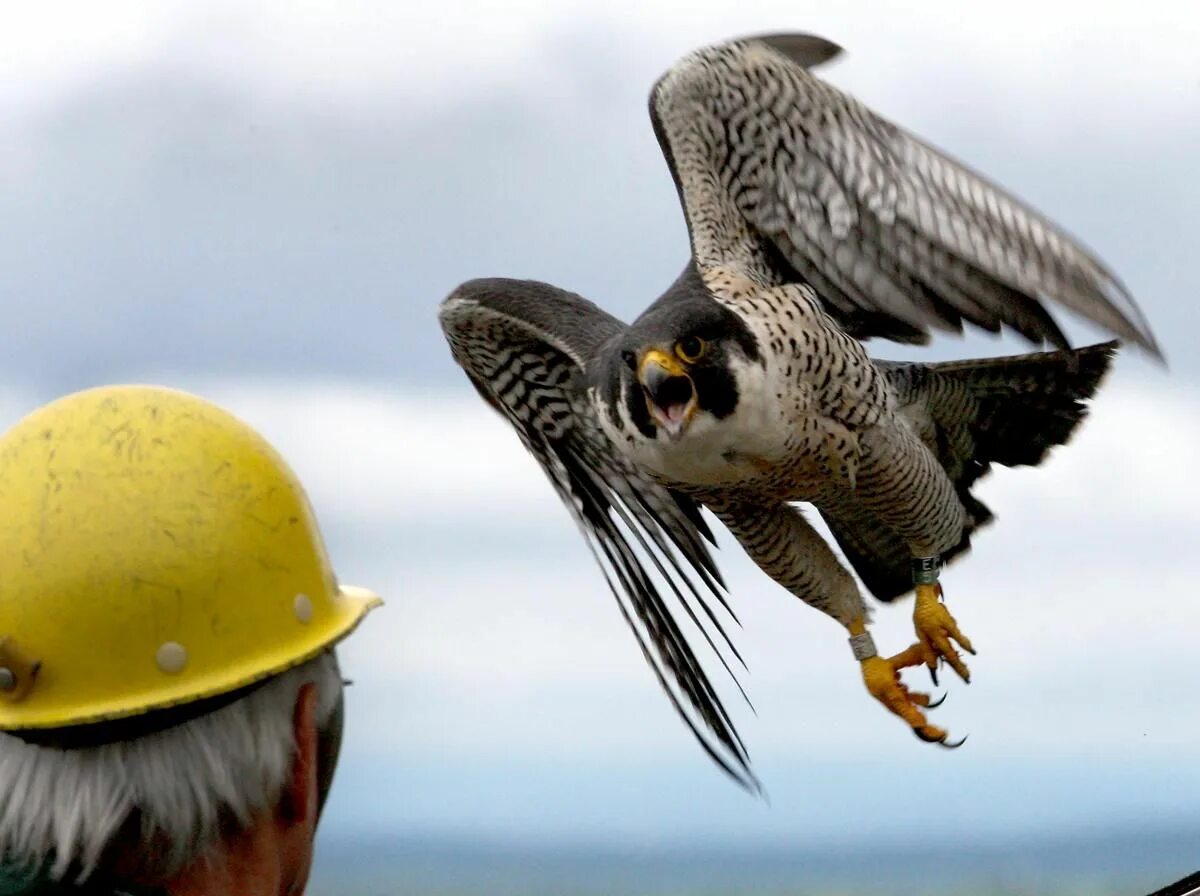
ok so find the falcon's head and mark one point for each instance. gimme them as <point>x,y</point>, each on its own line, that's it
<point>683,367</point>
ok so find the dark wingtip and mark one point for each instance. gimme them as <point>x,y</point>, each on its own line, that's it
<point>1091,365</point>
<point>806,50</point>
<point>1131,323</point>
<point>1147,343</point>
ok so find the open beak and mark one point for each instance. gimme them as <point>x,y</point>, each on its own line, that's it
<point>670,393</point>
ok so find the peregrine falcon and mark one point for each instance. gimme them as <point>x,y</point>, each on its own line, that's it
<point>815,224</point>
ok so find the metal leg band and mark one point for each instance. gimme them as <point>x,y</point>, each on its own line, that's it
<point>863,646</point>
<point>925,570</point>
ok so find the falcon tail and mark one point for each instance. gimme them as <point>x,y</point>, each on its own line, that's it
<point>1008,411</point>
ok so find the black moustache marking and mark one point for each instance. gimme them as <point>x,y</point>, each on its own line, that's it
<point>716,390</point>
<point>639,413</point>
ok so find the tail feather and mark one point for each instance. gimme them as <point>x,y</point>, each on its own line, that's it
<point>973,414</point>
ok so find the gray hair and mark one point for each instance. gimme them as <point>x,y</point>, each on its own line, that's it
<point>183,785</point>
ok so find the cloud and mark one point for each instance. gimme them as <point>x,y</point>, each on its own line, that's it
<point>360,51</point>
<point>385,456</point>
<point>212,188</point>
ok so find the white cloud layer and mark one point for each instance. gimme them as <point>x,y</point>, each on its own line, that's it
<point>382,457</point>
<point>1130,57</point>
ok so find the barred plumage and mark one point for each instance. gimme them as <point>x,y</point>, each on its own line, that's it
<point>814,224</point>
<point>894,235</point>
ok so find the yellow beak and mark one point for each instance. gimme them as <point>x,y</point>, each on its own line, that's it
<point>667,366</point>
<point>670,392</point>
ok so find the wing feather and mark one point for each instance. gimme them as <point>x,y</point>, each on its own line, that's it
<point>525,347</point>
<point>784,177</point>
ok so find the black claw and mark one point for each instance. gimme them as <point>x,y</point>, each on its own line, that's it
<point>953,746</point>
<point>939,702</point>
<point>933,675</point>
<point>927,738</point>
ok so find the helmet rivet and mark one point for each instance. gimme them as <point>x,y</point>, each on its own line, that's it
<point>8,679</point>
<point>171,657</point>
<point>303,608</point>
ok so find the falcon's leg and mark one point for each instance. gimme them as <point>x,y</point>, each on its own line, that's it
<point>903,485</point>
<point>934,624</point>
<point>790,551</point>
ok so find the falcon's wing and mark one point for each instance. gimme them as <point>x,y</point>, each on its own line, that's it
<point>785,178</point>
<point>525,346</point>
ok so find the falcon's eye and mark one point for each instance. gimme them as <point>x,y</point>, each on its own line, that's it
<point>630,359</point>
<point>691,348</point>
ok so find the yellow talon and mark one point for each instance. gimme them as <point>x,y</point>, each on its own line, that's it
<point>882,678</point>
<point>935,630</point>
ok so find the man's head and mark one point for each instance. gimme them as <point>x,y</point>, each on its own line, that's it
<point>147,806</point>
<point>168,688</point>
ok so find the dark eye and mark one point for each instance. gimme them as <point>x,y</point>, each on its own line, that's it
<point>630,359</point>
<point>690,348</point>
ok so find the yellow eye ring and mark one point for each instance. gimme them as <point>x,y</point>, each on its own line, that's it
<point>691,348</point>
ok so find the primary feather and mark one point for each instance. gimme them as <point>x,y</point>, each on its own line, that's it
<point>784,178</point>
<point>524,345</point>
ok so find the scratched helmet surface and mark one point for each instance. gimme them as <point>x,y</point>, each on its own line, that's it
<point>155,550</point>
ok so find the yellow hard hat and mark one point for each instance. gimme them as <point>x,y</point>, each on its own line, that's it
<point>154,550</point>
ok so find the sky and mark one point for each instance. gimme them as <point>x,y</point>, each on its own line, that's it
<point>264,203</point>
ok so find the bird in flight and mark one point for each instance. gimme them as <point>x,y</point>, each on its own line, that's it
<point>815,224</point>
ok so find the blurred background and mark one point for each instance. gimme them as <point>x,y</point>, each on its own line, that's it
<point>264,202</point>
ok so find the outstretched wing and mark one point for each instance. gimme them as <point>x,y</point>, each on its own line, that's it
<point>785,178</point>
<point>525,347</point>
